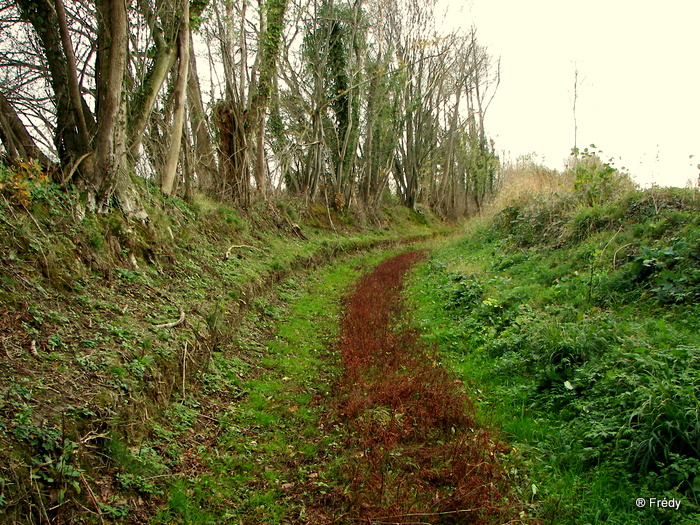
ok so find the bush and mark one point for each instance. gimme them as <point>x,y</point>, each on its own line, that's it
<point>597,182</point>
<point>24,182</point>
<point>671,270</point>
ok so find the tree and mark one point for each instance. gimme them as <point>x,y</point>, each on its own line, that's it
<point>204,158</point>
<point>241,114</point>
<point>110,174</point>
<point>163,24</point>
<point>345,100</point>
<point>270,39</point>
<point>69,141</point>
<point>180,93</point>
<point>15,138</point>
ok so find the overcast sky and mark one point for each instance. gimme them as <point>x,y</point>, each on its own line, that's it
<point>639,75</point>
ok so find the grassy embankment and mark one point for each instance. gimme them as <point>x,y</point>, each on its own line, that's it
<point>109,415</point>
<point>574,323</point>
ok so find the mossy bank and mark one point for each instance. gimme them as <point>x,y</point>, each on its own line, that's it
<point>111,330</point>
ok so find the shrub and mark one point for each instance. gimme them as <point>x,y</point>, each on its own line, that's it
<point>597,182</point>
<point>24,182</point>
<point>672,270</point>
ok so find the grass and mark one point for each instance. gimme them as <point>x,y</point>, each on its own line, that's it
<point>267,463</point>
<point>84,362</point>
<point>580,348</point>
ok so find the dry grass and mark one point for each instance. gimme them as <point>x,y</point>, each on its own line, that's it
<point>524,178</point>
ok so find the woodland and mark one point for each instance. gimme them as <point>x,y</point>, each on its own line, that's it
<point>341,103</point>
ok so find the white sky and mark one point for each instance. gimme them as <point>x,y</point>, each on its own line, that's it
<point>639,80</point>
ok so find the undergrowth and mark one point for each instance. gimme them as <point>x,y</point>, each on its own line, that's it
<point>259,449</point>
<point>117,338</point>
<point>575,325</point>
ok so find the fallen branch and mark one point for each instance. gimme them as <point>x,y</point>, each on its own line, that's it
<point>174,323</point>
<point>93,499</point>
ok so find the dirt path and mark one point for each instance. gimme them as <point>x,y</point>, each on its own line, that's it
<point>414,452</point>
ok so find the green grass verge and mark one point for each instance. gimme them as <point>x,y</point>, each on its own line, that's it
<point>582,345</point>
<point>271,453</point>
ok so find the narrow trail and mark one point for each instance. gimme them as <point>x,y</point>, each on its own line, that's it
<point>417,454</point>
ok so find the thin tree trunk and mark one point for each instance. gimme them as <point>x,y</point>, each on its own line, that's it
<point>204,164</point>
<point>110,173</point>
<point>73,87</point>
<point>173,156</point>
<point>147,92</point>
<point>260,178</point>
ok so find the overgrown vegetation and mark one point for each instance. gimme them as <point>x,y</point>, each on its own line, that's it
<point>182,371</point>
<point>572,315</point>
<point>262,454</point>
<point>123,361</point>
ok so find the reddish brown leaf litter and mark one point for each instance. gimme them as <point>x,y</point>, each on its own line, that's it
<point>416,454</point>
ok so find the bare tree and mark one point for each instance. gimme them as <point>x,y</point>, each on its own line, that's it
<point>204,162</point>
<point>179,96</point>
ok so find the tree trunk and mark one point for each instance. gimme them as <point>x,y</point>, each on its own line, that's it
<point>270,39</point>
<point>73,87</point>
<point>110,171</point>
<point>233,163</point>
<point>147,92</point>
<point>204,164</point>
<point>171,160</point>
<point>14,135</point>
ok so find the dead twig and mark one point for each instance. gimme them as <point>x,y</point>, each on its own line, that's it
<point>213,420</point>
<point>184,369</point>
<point>616,252</point>
<point>611,240</point>
<point>34,485</point>
<point>91,494</point>
<point>180,320</point>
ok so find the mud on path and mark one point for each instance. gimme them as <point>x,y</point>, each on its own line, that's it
<point>415,452</point>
